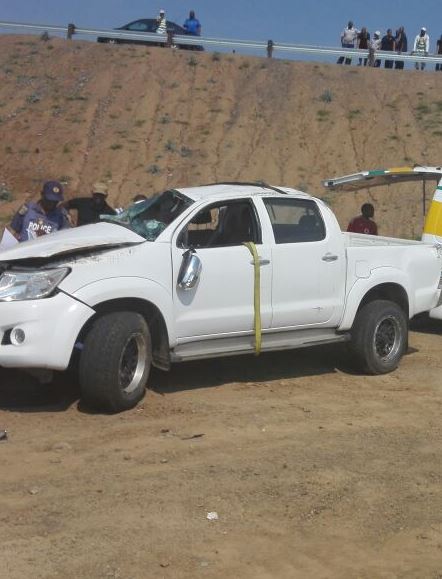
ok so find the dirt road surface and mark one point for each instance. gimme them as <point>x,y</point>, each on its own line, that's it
<point>313,471</point>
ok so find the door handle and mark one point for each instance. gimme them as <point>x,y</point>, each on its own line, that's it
<point>329,257</point>
<point>261,261</point>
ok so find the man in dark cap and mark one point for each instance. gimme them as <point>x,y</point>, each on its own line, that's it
<point>45,216</point>
<point>90,208</point>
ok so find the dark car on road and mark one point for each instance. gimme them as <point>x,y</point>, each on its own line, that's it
<point>149,26</point>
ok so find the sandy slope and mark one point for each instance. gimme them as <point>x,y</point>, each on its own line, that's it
<point>144,119</point>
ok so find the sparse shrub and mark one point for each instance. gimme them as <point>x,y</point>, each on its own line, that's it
<point>33,98</point>
<point>116,146</point>
<point>165,119</point>
<point>139,122</point>
<point>422,109</point>
<point>216,57</point>
<point>5,194</point>
<point>322,115</point>
<point>186,152</point>
<point>154,169</point>
<point>192,61</point>
<point>244,65</point>
<point>170,146</point>
<point>326,96</point>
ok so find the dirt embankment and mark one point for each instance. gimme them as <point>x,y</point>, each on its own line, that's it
<point>144,119</point>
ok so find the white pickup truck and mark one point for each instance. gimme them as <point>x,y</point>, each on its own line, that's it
<point>207,271</point>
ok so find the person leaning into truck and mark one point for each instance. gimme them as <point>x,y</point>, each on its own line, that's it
<point>45,216</point>
<point>90,208</point>
<point>364,223</point>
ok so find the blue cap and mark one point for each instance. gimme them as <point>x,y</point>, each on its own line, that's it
<point>52,191</point>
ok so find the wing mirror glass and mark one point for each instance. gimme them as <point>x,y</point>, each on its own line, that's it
<point>190,270</point>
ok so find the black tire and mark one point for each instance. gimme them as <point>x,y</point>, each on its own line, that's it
<point>379,337</point>
<point>115,362</point>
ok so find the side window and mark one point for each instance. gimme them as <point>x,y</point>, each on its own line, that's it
<point>139,25</point>
<point>295,220</point>
<point>222,224</point>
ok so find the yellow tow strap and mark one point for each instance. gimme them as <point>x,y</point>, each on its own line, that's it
<point>256,295</point>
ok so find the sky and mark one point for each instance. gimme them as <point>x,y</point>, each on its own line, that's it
<point>317,22</point>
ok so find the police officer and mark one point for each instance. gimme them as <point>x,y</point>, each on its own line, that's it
<point>33,220</point>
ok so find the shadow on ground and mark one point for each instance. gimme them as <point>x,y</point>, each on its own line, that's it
<point>267,367</point>
<point>425,325</point>
<point>22,392</point>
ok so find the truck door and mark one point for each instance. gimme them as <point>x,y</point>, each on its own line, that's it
<point>308,265</point>
<point>222,301</point>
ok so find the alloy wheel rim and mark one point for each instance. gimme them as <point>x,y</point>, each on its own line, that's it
<point>386,340</point>
<point>132,364</point>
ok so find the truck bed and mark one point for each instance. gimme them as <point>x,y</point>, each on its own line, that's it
<point>363,240</point>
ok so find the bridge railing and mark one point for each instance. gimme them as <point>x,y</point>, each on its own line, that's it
<point>269,48</point>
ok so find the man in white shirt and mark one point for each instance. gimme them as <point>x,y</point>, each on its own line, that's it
<point>421,46</point>
<point>348,40</point>
<point>373,46</point>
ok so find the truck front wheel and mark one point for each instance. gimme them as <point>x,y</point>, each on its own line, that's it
<point>379,337</point>
<point>115,362</point>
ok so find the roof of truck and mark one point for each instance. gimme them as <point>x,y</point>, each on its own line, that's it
<point>226,190</point>
<point>378,177</point>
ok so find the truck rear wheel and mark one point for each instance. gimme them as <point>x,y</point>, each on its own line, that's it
<point>115,362</point>
<point>379,336</point>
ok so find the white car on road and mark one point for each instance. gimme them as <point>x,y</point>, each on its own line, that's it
<point>207,271</point>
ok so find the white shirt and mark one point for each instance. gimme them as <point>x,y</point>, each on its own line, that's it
<point>419,39</point>
<point>349,35</point>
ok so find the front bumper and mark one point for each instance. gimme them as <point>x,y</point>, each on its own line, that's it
<point>50,327</point>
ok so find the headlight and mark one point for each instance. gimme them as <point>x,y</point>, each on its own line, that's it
<point>30,285</point>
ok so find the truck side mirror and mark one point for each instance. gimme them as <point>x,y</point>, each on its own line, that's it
<point>189,271</point>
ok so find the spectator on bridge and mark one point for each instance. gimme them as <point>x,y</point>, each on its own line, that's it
<point>363,41</point>
<point>348,39</point>
<point>373,46</point>
<point>439,52</point>
<point>45,216</point>
<point>364,223</point>
<point>401,46</point>
<point>90,208</point>
<point>388,44</point>
<point>192,25</point>
<point>421,46</point>
<point>161,22</point>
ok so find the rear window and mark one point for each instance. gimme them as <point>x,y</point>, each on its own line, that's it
<point>295,220</point>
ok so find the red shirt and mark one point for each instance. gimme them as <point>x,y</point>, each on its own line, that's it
<point>362,225</point>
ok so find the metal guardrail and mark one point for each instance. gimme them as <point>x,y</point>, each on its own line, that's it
<point>294,49</point>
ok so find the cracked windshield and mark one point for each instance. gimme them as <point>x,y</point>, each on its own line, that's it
<point>150,217</point>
